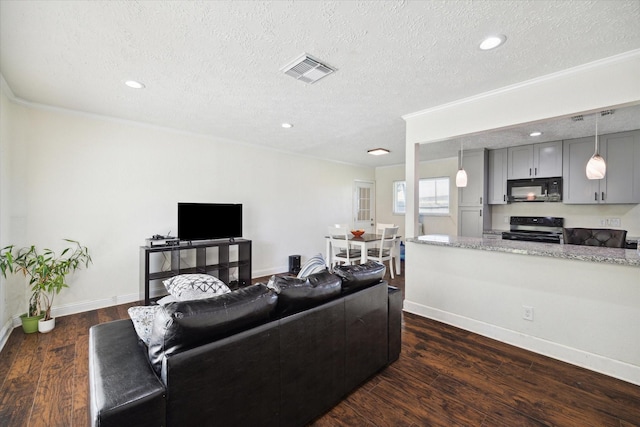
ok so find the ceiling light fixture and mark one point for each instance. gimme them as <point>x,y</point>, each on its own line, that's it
<point>461,176</point>
<point>287,125</point>
<point>596,167</point>
<point>378,151</point>
<point>536,133</point>
<point>134,84</point>
<point>493,42</point>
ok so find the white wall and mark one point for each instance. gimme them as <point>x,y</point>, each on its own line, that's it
<point>110,184</point>
<point>385,176</point>
<point>5,201</point>
<point>12,207</point>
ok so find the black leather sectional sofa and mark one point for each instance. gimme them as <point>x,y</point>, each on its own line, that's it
<point>254,357</point>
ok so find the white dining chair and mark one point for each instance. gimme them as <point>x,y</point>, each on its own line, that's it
<point>381,226</point>
<point>386,251</point>
<point>341,251</point>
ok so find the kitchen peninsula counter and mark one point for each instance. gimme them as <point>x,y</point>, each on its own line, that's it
<point>628,257</point>
<point>579,304</point>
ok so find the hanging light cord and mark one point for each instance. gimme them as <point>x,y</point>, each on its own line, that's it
<point>597,148</point>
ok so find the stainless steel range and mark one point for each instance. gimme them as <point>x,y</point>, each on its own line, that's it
<point>543,229</point>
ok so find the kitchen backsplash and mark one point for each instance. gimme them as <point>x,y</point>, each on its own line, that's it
<point>589,216</point>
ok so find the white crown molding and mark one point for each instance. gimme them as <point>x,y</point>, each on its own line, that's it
<point>632,54</point>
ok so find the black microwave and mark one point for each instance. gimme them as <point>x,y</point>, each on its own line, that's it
<point>535,190</point>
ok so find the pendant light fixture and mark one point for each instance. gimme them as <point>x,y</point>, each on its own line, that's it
<point>461,176</point>
<point>596,167</point>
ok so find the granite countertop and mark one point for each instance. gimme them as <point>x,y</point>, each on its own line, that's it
<point>494,232</point>
<point>629,257</point>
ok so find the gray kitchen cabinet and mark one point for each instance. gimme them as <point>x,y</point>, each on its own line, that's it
<point>621,184</point>
<point>542,160</point>
<point>520,162</point>
<point>473,217</point>
<point>622,181</point>
<point>497,177</point>
<point>577,189</point>
<point>471,221</point>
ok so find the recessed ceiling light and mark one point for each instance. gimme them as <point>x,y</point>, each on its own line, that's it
<point>287,125</point>
<point>378,151</point>
<point>492,42</point>
<point>134,84</point>
<point>536,133</point>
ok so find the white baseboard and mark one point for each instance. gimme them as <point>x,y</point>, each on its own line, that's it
<point>6,330</point>
<point>65,310</point>
<point>604,365</point>
<point>269,271</point>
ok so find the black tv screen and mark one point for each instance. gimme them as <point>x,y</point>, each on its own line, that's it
<point>209,221</point>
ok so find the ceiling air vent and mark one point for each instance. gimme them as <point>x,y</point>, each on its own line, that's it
<point>307,69</point>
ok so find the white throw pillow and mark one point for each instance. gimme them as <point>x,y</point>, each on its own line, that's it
<point>185,287</point>
<point>166,300</point>
<point>315,264</point>
<point>142,317</point>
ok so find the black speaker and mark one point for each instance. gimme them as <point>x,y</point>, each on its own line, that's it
<point>294,264</point>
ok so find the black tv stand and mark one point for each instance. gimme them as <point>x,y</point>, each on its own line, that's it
<point>208,257</point>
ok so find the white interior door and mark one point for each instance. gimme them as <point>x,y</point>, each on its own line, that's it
<point>364,206</point>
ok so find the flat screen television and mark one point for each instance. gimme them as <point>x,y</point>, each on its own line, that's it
<point>209,221</point>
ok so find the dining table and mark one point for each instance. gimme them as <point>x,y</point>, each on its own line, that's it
<point>364,243</point>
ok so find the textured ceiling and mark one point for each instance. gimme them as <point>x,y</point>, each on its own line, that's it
<point>213,67</point>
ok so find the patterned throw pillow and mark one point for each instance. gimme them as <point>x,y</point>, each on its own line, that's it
<point>185,287</point>
<point>142,317</point>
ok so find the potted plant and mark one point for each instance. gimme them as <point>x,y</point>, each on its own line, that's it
<point>47,273</point>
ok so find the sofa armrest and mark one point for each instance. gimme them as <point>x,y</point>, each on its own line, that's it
<point>123,389</point>
<point>395,323</point>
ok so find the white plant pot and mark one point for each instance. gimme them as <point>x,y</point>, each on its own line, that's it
<point>45,326</point>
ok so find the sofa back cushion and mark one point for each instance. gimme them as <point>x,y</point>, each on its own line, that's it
<point>181,325</point>
<point>296,294</point>
<point>359,276</point>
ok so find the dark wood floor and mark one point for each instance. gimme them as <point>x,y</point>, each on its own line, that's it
<point>444,377</point>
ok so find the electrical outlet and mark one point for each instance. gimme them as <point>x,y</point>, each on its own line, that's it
<point>505,219</point>
<point>527,313</point>
<point>603,222</point>
<point>615,222</point>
